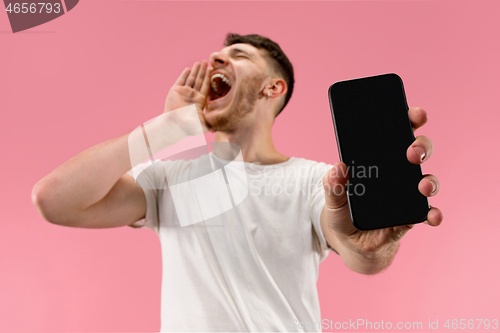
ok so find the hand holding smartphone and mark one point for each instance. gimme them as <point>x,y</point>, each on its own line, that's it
<point>373,132</point>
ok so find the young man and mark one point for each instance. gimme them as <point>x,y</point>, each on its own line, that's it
<point>253,267</point>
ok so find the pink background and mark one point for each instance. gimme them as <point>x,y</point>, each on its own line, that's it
<point>105,67</point>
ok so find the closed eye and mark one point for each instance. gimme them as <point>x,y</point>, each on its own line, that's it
<point>237,53</point>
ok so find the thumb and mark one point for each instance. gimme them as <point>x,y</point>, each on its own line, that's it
<point>335,183</point>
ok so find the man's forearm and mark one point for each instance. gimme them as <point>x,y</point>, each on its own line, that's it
<point>87,177</point>
<point>358,260</point>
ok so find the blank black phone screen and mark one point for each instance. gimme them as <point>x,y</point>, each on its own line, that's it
<point>373,131</point>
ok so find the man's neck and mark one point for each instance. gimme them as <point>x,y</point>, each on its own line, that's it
<point>256,145</point>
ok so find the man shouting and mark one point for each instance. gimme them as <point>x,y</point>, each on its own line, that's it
<point>253,267</point>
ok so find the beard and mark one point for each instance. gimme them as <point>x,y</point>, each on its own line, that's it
<point>244,102</point>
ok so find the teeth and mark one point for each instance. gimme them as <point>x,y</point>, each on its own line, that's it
<point>224,78</point>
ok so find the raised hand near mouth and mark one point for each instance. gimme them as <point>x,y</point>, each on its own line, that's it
<point>192,87</point>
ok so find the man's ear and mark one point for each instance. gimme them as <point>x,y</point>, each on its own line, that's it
<point>277,87</point>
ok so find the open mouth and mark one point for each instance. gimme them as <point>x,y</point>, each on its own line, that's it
<point>219,86</point>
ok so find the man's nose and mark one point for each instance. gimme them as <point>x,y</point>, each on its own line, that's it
<point>217,60</point>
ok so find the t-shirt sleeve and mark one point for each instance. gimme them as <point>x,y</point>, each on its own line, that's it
<point>150,181</point>
<point>316,204</point>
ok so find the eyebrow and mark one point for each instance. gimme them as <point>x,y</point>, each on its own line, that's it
<point>235,50</point>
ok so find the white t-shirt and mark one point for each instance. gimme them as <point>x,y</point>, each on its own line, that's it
<point>252,268</point>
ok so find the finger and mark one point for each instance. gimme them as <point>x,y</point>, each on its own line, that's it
<point>335,183</point>
<point>183,77</point>
<point>418,117</point>
<point>192,76</point>
<point>205,86</point>
<point>137,224</point>
<point>434,217</point>
<point>201,75</point>
<point>429,185</point>
<point>420,150</point>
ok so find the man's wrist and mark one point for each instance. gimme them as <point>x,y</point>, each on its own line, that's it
<point>366,261</point>
<point>369,253</point>
<point>185,120</point>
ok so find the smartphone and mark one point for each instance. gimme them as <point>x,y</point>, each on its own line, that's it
<point>373,131</point>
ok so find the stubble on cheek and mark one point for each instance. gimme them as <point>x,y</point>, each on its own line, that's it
<point>243,103</point>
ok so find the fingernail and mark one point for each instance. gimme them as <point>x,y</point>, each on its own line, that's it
<point>420,151</point>
<point>434,186</point>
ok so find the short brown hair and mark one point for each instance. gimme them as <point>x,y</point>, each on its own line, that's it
<point>281,65</point>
